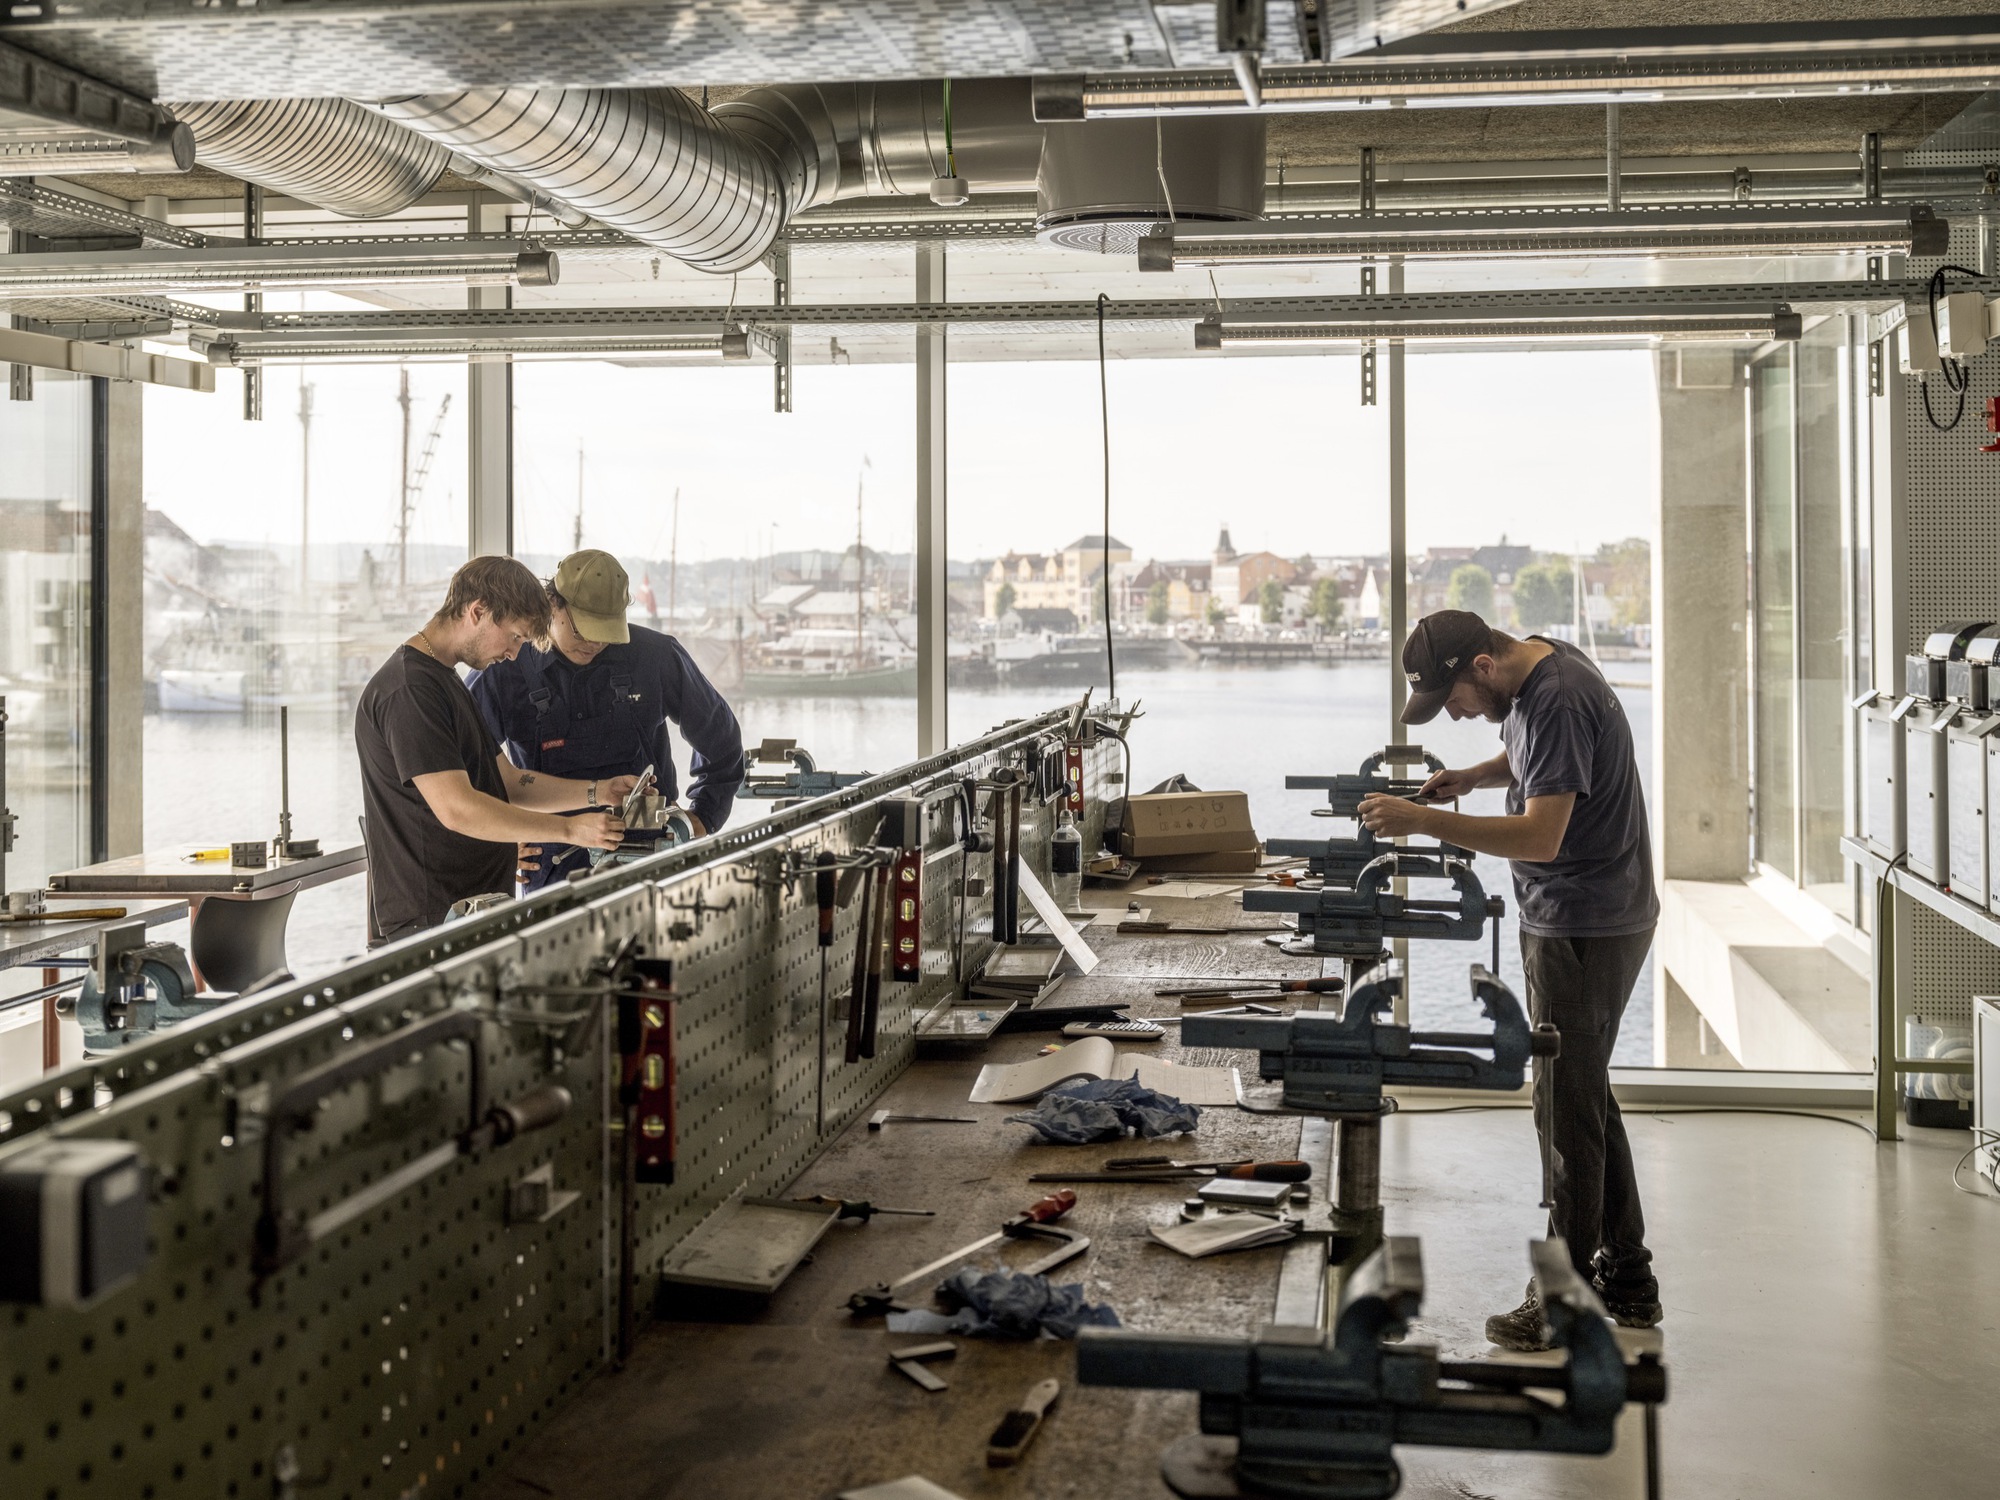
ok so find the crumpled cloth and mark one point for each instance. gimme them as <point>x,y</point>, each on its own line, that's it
<point>1075,1114</point>
<point>1003,1304</point>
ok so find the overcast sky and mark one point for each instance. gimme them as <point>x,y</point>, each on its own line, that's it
<point>1556,450</point>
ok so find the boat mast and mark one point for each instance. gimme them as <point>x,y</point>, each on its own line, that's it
<point>403,505</point>
<point>860,625</point>
<point>674,561</point>
<point>305,479</point>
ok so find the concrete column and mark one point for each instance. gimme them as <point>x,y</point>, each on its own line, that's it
<point>933,732</point>
<point>124,618</point>
<point>489,425</point>
<point>1701,663</point>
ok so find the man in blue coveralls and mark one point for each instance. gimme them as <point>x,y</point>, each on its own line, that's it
<point>594,700</point>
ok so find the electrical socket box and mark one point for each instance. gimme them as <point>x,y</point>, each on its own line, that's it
<point>1968,790</point>
<point>1986,1081</point>
<point>1961,324</point>
<point>72,1222</point>
<point>1917,350</point>
<point>1882,826</point>
<point>1925,795</point>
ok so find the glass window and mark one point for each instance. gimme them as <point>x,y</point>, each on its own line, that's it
<point>285,560</point>
<point>1250,576</point>
<point>1822,570</point>
<point>45,651</point>
<point>1773,667</point>
<point>779,548</point>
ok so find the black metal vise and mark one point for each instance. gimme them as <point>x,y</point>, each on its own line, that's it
<point>1344,792</point>
<point>1340,1064</point>
<point>1339,862</point>
<point>1299,1413</point>
<point>1355,923</point>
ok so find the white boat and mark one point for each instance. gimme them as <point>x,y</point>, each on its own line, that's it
<point>185,690</point>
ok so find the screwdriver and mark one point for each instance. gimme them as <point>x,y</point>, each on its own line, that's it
<point>1280,986</point>
<point>862,1209</point>
<point>1131,1170</point>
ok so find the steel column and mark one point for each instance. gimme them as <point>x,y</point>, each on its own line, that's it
<point>932,490</point>
<point>489,424</point>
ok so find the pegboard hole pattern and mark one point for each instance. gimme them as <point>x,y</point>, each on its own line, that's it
<point>413,1349</point>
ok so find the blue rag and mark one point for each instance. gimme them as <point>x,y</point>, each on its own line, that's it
<point>1003,1304</point>
<point>1075,1114</point>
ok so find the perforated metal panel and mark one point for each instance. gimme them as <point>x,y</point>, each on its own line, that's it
<point>409,1351</point>
<point>1947,499</point>
<point>1951,966</point>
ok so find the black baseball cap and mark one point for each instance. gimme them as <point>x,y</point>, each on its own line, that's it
<point>1438,650</point>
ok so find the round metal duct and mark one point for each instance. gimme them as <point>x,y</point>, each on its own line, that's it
<point>327,152</point>
<point>1100,189</point>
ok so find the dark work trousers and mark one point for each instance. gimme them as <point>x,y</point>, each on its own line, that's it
<point>1580,985</point>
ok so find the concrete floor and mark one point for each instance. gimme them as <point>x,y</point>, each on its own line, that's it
<point>1831,1311</point>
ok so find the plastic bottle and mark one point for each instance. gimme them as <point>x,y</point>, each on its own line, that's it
<point>1066,864</point>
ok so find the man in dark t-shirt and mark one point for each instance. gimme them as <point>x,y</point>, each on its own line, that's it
<point>1575,832</point>
<point>445,810</point>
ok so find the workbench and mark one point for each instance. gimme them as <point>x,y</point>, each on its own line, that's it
<point>796,1398</point>
<point>237,914</point>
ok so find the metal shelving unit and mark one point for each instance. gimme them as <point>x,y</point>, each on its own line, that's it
<point>1976,920</point>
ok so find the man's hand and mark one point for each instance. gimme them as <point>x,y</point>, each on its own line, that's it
<point>613,793</point>
<point>595,830</point>
<point>700,828</point>
<point>1393,817</point>
<point>1449,786</point>
<point>527,860</point>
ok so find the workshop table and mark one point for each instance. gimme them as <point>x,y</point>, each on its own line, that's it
<point>796,1398</point>
<point>237,915</point>
<point>24,944</point>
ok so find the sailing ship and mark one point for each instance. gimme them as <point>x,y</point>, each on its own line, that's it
<point>869,660</point>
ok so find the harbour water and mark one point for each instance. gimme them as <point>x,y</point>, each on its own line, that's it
<point>214,779</point>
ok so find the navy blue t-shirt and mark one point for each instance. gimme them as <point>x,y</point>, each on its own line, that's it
<point>1567,732</point>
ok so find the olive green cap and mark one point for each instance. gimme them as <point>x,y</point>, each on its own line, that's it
<point>598,593</point>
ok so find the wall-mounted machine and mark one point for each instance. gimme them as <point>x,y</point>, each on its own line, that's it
<point>1925,770</point>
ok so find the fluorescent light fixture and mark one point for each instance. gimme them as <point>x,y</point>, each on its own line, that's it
<point>1808,229</point>
<point>1743,328</point>
<point>223,268</point>
<point>246,349</point>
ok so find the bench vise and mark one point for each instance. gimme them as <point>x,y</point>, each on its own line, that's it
<point>1356,923</point>
<point>1339,1064</point>
<point>135,987</point>
<point>1339,862</point>
<point>800,779</point>
<point>1344,793</point>
<point>1308,1415</point>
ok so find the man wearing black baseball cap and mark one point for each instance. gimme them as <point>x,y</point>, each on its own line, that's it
<point>1575,832</point>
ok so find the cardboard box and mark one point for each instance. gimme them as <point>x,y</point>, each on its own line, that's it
<point>1158,823</point>
<point>1219,862</point>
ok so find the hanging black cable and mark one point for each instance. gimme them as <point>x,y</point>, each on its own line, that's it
<point>1957,378</point>
<point>1104,414</point>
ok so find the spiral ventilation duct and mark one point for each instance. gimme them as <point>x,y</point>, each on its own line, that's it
<point>870,140</point>
<point>651,163</point>
<point>327,152</point>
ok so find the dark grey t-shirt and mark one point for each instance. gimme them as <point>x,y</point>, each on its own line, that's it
<point>1567,732</point>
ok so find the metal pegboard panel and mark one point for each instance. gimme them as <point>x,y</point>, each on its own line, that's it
<point>169,49</point>
<point>412,1346</point>
<point>1948,966</point>
<point>1945,490</point>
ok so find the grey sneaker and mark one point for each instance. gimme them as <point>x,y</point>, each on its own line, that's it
<point>1521,1329</point>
